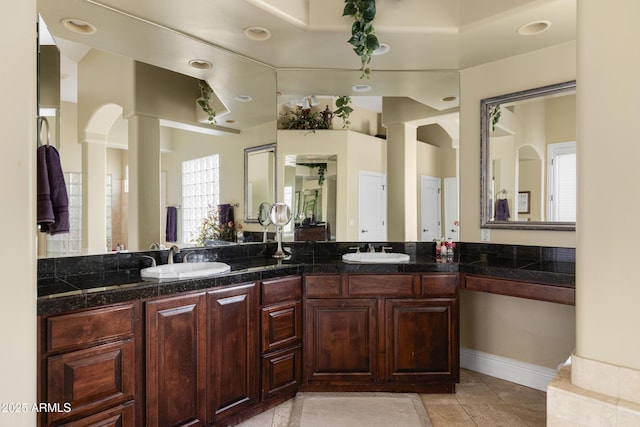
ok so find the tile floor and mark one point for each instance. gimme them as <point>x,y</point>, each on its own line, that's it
<point>480,400</point>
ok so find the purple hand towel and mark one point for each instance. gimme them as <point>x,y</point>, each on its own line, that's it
<point>502,210</point>
<point>172,221</point>
<point>45,207</point>
<point>58,191</point>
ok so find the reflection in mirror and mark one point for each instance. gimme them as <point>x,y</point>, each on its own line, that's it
<point>260,180</point>
<point>125,127</point>
<point>404,127</point>
<point>264,218</point>
<point>310,188</point>
<point>528,159</point>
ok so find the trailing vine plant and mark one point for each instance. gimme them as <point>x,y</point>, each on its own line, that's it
<point>363,36</point>
<point>494,113</point>
<point>343,110</point>
<point>322,169</point>
<point>203,101</point>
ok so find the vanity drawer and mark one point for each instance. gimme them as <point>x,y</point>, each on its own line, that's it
<point>382,285</point>
<point>281,372</point>
<point>325,285</point>
<point>91,379</point>
<point>278,290</point>
<point>281,325</point>
<point>90,326</point>
<point>439,285</point>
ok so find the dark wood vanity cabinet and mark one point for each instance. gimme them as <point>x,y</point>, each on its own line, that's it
<point>281,343</point>
<point>201,356</point>
<point>175,360</point>
<point>220,355</point>
<point>232,355</point>
<point>87,367</point>
<point>391,332</point>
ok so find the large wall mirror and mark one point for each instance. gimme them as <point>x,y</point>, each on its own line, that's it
<point>117,84</point>
<point>109,91</point>
<point>260,179</point>
<point>528,159</point>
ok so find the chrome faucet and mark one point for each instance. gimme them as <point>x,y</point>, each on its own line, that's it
<point>172,251</point>
<point>370,248</point>
<point>153,260</point>
<point>154,245</point>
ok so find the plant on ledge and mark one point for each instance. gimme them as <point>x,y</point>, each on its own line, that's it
<point>203,101</point>
<point>363,36</point>
<point>303,118</point>
<point>306,119</point>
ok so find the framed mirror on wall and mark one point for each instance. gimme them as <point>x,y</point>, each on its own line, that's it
<point>528,159</point>
<point>260,180</point>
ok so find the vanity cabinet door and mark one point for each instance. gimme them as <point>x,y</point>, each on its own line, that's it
<point>176,387</point>
<point>340,341</point>
<point>422,339</point>
<point>232,358</point>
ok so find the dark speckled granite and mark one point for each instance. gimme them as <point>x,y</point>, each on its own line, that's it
<point>72,283</point>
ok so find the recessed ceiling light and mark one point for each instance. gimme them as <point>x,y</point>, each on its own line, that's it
<point>382,49</point>
<point>533,28</point>
<point>257,33</point>
<point>78,26</point>
<point>449,98</point>
<point>243,98</point>
<point>361,88</point>
<point>200,64</point>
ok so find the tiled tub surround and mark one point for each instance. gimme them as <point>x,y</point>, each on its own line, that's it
<point>72,283</point>
<point>593,393</point>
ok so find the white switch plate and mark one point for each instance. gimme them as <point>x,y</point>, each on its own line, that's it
<point>485,234</point>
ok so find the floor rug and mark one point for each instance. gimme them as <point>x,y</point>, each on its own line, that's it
<point>358,410</point>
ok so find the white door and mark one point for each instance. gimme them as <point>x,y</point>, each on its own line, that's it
<point>372,207</point>
<point>451,230</point>
<point>430,208</point>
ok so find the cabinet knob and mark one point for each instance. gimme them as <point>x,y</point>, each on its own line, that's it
<point>364,231</point>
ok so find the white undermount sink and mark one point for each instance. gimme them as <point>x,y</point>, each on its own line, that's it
<point>375,258</point>
<point>184,270</point>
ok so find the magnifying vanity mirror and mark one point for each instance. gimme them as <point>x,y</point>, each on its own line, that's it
<point>264,219</point>
<point>528,159</point>
<point>280,214</point>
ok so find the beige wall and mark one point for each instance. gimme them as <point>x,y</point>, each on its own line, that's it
<point>535,332</point>
<point>18,258</point>
<point>608,127</point>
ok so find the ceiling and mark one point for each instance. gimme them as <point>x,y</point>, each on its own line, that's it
<point>310,35</point>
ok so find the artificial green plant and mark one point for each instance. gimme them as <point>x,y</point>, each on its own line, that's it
<point>363,36</point>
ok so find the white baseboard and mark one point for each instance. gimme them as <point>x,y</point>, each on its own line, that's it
<point>512,370</point>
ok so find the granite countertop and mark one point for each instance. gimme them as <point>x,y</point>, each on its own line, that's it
<point>60,293</point>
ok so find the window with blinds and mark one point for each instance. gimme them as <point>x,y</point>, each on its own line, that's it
<point>561,194</point>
